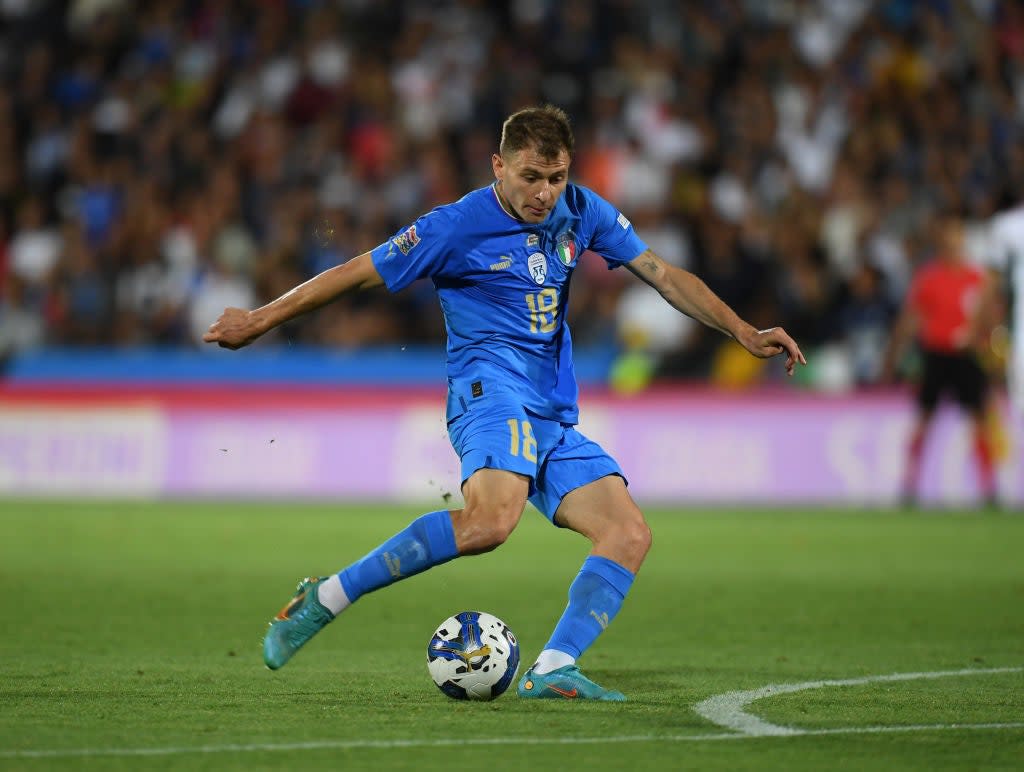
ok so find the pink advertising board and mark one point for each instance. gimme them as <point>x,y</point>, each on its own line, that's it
<point>675,446</point>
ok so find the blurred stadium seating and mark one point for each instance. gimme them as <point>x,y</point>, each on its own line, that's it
<point>159,161</point>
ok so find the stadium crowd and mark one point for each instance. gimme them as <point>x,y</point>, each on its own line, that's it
<point>160,161</point>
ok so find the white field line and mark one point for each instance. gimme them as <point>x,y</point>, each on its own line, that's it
<point>729,710</point>
<point>478,741</point>
<point>51,753</point>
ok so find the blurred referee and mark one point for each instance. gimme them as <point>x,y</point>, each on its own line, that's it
<point>942,309</point>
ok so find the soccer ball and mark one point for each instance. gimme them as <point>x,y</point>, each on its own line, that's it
<point>473,656</point>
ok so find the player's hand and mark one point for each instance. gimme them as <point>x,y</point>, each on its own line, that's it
<point>234,329</point>
<point>771,342</point>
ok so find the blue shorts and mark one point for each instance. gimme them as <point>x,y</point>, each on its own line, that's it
<point>557,458</point>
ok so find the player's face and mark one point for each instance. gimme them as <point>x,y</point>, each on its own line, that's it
<point>530,184</point>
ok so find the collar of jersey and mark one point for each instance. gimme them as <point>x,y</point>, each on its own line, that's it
<point>497,198</point>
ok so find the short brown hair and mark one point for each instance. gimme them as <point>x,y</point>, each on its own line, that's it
<point>544,128</point>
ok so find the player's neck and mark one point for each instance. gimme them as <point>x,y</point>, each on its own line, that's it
<point>503,203</point>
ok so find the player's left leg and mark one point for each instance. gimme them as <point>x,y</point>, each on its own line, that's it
<point>601,509</point>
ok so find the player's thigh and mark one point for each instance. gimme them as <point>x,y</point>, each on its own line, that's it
<point>581,487</point>
<point>496,489</point>
<point>595,507</point>
<point>499,462</point>
<point>569,461</point>
<point>605,513</point>
<point>495,500</point>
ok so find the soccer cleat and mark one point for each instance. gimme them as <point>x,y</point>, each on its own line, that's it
<point>565,683</point>
<point>301,618</point>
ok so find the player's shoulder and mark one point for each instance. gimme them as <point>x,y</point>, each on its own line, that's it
<point>471,204</point>
<point>450,214</point>
<point>578,198</point>
<point>591,209</point>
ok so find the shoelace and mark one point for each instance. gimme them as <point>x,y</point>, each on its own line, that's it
<point>307,621</point>
<point>574,676</point>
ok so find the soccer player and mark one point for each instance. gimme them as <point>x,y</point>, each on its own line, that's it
<point>501,259</point>
<point>943,309</point>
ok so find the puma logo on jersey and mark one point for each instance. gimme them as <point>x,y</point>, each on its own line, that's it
<point>505,262</point>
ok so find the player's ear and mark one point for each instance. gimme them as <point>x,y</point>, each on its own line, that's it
<point>498,165</point>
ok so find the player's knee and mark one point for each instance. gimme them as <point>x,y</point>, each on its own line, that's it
<point>630,538</point>
<point>637,536</point>
<point>485,526</point>
<point>497,533</point>
<point>484,537</point>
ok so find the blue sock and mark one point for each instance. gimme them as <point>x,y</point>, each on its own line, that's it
<point>595,597</point>
<point>428,541</point>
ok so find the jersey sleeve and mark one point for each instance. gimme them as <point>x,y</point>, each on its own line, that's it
<point>416,252</point>
<point>612,235</point>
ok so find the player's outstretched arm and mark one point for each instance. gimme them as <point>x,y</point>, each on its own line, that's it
<point>686,293</point>
<point>237,327</point>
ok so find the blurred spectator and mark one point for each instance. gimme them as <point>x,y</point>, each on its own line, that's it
<point>161,159</point>
<point>35,246</point>
<point>865,320</point>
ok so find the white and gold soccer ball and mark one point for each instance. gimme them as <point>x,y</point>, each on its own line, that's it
<point>473,655</point>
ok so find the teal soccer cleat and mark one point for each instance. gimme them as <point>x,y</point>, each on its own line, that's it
<point>301,619</point>
<point>565,683</point>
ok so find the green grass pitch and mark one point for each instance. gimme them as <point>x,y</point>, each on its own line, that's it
<point>132,641</point>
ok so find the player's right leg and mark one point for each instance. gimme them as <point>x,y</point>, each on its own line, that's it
<point>495,499</point>
<point>426,542</point>
<point>301,618</point>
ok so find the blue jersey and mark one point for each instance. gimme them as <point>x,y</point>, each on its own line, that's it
<point>504,286</point>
